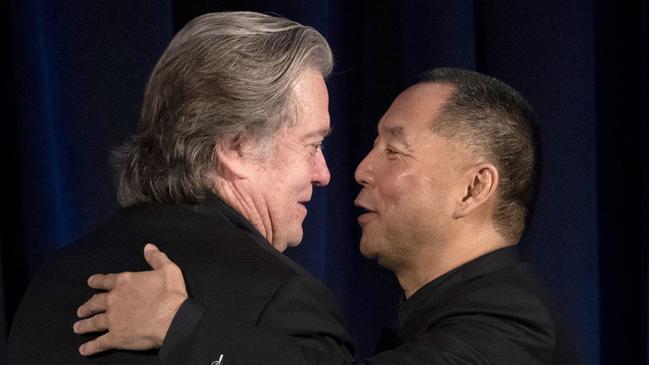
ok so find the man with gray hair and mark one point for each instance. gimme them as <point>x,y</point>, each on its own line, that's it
<point>446,191</point>
<point>224,159</point>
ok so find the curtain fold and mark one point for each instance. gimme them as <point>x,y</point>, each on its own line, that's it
<point>621,56</point>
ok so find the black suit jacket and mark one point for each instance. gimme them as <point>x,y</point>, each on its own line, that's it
<point>228,266</point>
<point>492,310</point>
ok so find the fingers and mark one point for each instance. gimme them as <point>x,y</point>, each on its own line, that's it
<point>155,257</point>
<point>96,304</point>
<point>96,323</point>
<point>102,281</point>
<point>99,344</point>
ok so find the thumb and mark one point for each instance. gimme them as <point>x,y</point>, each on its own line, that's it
<point>154,257</point>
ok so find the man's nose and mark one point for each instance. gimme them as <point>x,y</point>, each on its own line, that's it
<point>321,175</point>
<point>364,173</point>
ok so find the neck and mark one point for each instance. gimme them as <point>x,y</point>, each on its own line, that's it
<point>438,259</point>
<point>235,194</point>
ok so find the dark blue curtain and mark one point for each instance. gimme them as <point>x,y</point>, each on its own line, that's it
<point>75,71</point>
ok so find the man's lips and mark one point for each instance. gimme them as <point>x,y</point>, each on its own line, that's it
<point>367,213</point>
<point>303,204</point>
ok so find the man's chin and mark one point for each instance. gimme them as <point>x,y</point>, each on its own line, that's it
<point>292,242</point>
<point>367,250</point>
<point>279,246</point>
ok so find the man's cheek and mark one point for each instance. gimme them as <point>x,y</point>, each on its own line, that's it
<point>394,187</point>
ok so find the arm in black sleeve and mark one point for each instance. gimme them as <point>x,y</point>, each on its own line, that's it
<point>300,324</point>
<point>185,321</point>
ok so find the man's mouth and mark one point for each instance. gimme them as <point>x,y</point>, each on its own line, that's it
<point>303,203</point>
<point>366,212</point>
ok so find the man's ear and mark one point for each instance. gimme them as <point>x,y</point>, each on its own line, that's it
<point>480,185</point>
<point>234,157</point>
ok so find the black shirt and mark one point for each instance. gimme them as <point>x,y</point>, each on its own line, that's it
<point>492,310</point>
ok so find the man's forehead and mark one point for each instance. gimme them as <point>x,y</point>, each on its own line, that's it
<point>318,133</point>
<point>397,131</point>
<point>414,109</point>
<point>394,130</point>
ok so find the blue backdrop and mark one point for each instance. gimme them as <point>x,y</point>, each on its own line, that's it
<point>75,72</point>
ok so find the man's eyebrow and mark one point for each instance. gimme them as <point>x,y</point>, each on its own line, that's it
<point>322,133</point>
<point>398,133</point>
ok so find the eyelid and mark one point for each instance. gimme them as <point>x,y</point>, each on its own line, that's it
<point>391,151</point>
<point>317,147</point>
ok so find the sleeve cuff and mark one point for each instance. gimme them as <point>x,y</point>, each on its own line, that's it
<point>184,322</point>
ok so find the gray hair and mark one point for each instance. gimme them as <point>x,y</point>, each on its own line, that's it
<point>224,75</point>
<point>494,121</point>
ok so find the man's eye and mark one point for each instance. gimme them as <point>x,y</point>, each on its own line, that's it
<point>390,152</point>
<point>316,147</point>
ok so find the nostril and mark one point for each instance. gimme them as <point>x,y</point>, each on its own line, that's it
<point>321,179</point>
<point>363,176</point>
